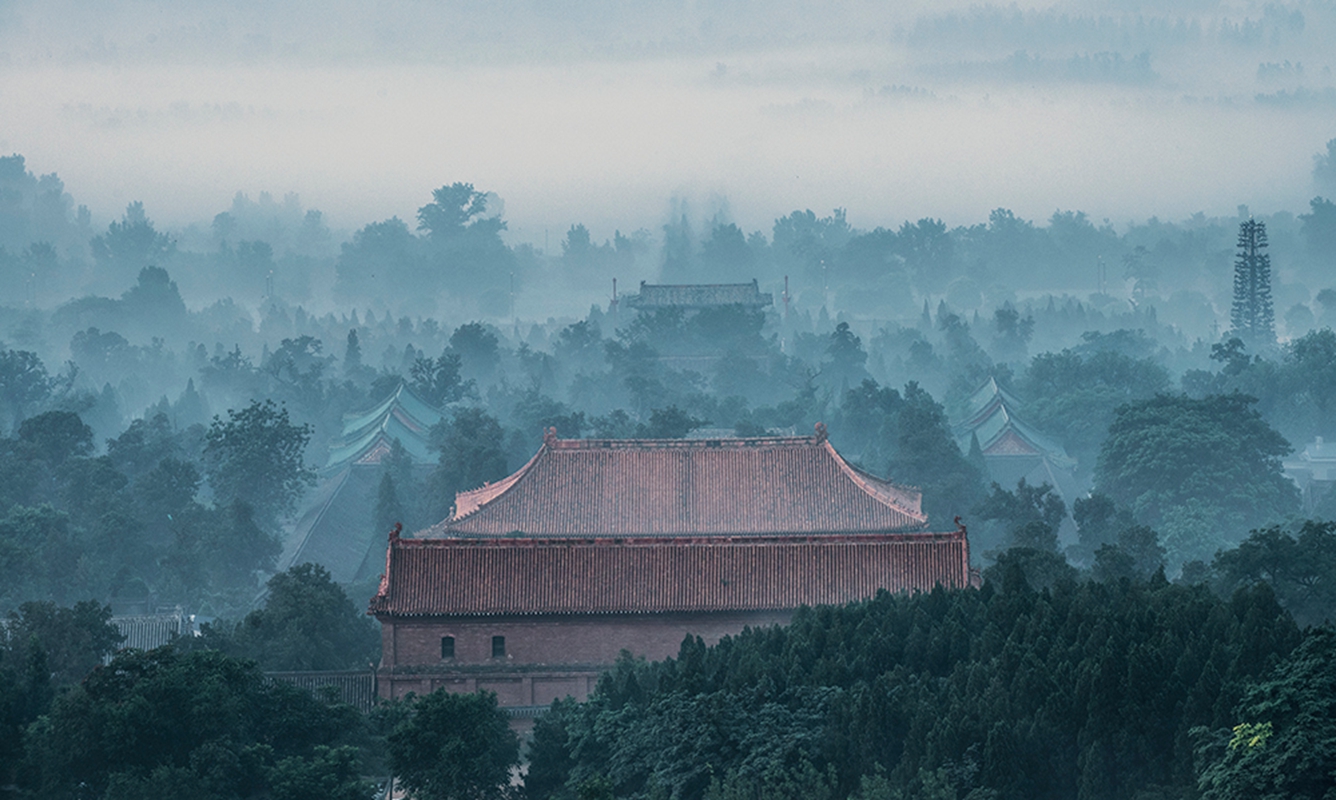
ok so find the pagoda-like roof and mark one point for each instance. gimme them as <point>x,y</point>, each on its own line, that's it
<point>367,437</point>
<point>477,577</point>
<point>697,296</point>
<point>989,415</point>
<point>677,487</point>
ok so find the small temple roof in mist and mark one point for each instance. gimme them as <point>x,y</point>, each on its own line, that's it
<point>367,437</point>
<point>697,296</point>
<point>477,577</point>
<point>989,415</point>
<point>678,487</point>
<point>334,524</point>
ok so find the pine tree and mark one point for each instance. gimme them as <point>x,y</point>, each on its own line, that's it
<point>1253,317</point>
<point>352,355</point>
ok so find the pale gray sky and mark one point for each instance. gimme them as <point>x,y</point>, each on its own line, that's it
<point>603,112</point>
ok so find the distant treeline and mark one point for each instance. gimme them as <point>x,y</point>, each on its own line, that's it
<point>453,261</point>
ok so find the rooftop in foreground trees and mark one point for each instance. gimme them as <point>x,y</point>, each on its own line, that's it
<point>676,487</point>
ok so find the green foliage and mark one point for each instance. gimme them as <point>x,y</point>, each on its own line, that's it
<point>1296,391</point>
<point>478,347</point>
<point>330,773</point>
<point>845,360</point>
<point>1283,744</point>
<point>472,448</point>
<point>1135,555</point>
<point>44,648</point>
<point>381,254</point>
<point>74,639</point>
<point>1202,472</point>
<point>438,381</point>
<point>669,423</point>
<point>389,510</point>
<point>1318,226</point>
<point>38,553</point>
<point>256,457</point>
<point>1073,393</point>
<point>454,747</point>
<point>1252,314</point>
<point>307,623</point>
<point>1023,568</point>
<point>1098,522</point>
<point>1300,567</point>
<point>215,555</point>
<point>908,439</point>
<point>198,724</point>
<point>57,436</point>
<point>1031,514</point>
<point>776,783</point>
<point>1087,690</point>
<point>24,382</point>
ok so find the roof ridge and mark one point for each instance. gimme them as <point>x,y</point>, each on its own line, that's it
<point>752,282</point>
<point>862,482</point>
<point>667,444</point>
<point>499,487</point>
<point>732,540</point>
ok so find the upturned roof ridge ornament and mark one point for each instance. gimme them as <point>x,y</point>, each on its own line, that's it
<point>395,531</point>
<point>821,434</point>
<point>550,436</point>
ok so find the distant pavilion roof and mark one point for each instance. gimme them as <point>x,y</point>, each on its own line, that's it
<point>697,296</point>
<point>367,437</point>
<point>677,487</point>
<point>990,416</point>
<point>476,577</point>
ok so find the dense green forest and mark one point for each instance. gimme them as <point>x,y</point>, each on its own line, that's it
<point>1089,690</point>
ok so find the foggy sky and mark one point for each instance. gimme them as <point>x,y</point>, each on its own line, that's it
<point>604,112</point>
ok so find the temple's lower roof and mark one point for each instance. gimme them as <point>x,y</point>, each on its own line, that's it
<point>452,577</point>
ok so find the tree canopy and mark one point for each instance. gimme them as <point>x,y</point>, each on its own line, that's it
<point>1202,472</point>
<point>199,724</point>
<point>307,623</point>
<point>1086,690</point>
<point>1282,740</point>
<point>454,746</point>
<point>256,457</point>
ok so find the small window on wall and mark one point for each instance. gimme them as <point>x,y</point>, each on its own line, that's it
<point>447,647</point>
<point>498,647</point>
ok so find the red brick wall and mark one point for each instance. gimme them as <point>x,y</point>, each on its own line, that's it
<point>546,657</point>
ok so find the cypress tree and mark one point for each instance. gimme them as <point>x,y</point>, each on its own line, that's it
<point>352,355</point>
<point>1253,317</point>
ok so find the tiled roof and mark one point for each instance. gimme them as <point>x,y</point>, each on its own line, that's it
<point>147,631</point>
<point>989,415</point>
<point>336,530</point>
<point>438,577</point>
<point>367,437</point>
<point>676,487</point>
<point>704,295</point>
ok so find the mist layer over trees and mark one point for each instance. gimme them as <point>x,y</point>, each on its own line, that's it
<point>168,398</point>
